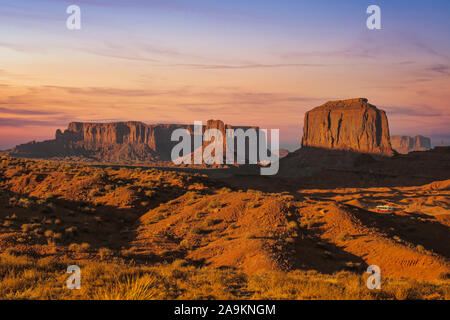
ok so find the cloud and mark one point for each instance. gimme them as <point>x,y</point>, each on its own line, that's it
<point>251,66</point>
<point>18,122</point>
<point>416,111</point>
<point>17,111</point>
<point>372,46</point>
<point>440,68</point>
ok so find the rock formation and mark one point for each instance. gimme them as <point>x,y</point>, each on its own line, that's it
<point>131,141</point>
<point>232,149</point>
<point>349,125</point>
<point>111,142</point>
<point>406,144</point>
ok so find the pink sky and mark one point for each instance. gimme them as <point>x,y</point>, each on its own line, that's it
<point>250,76</point>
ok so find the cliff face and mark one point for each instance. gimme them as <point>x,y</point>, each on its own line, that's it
<point>231,148</point>
<point>112,142</point>
<point>350,125</point>
<point>406,144</point>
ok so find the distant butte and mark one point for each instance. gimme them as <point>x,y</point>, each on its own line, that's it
<point>406,144</point>
<point>119,142</point>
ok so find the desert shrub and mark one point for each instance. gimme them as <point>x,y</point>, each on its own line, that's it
<point>344,236</point>
<point>26,227</point>
<point>57,236</point>
<point>48,233</point>
<point>128,252</point>
<point>157,217</point>
<point>287,197</point>
<point>150,193</point>
<point>100,175</point>
<point>197,230</point>
<point>94,193</point>
<point>421,248</point>
<point>178,263</point>
<point>7,223</point>
<point>105,253</point>
<point>290,240</point>
<point>252,204</point>
<point>50,196</point>
<point>25,203</point>
<point>200,214</point>
<point>71,231</point>
<point>142,288</point>
<point>292,225</point>
<point>88,209</point>
<point>75,247</point>
<point>12,217</point>
<point>224,190</point>
<point>213,204</point>
<point>185,245</point>
<point>85,246</point>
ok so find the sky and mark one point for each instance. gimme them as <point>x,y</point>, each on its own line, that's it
<point>246,62</point>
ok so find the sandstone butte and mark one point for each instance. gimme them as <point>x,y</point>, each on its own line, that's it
<point>350,125</point>
<point>113,142</point>
<point>406,144</point>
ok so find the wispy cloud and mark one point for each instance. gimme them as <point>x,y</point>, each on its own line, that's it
<point>17,111</point>
<point>251,66</point>
<point>440,68</point>
<point>416,111</point>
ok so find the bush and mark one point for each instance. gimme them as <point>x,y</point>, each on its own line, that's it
<point>49,233</point>
<point>25,203</point>
<point>71,231</point>
<point>292,225</point>
<point>344,236</point>
<point>178,263</point>
<point>29,226</point>
<point>214,204</point>
<point>185,245</point>
<point>7,223</point>
<point>105,253</point>
<point>85,246</point>
<point>75,247</point>
<point>57,236</point>
<point>421,248</point>
<point>157,217</point>
<point>197,230</point>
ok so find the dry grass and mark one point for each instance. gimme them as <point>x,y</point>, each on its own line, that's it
<point>23,277</point>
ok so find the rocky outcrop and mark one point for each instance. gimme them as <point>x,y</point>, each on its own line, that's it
<point>110,142</point>
<point>231,149</point>
<point>113,142</point>
<point>349,125</point>
<point>406,144</point>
